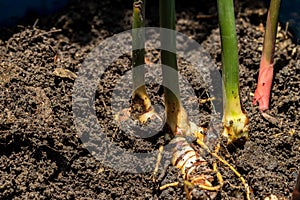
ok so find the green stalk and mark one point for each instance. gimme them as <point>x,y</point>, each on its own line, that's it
<point>266,70</point>
<point>235,119</point>
<point>176,115</point>
<point>271,30</point>
<point>138,55</point>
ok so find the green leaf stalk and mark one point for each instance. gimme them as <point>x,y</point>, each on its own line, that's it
<point>138,55</point>
<point>177,118</point>
<point>235,119</point>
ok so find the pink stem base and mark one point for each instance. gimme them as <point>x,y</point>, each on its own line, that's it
<point>263,90</point>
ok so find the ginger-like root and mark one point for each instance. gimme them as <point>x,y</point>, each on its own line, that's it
<point>188,161</point>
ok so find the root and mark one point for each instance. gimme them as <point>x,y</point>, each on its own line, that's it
<point>151,114</point>
<point>190,184</point>
<point>143,118</point>
<point>246,186</point>
<point>158,160</point>
<point>174,184</point>
<point>184,157</point>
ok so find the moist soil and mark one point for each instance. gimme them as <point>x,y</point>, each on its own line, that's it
<point>46,154</point>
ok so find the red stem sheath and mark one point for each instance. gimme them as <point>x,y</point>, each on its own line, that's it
<point>264,85</point>
<point>266,70</point>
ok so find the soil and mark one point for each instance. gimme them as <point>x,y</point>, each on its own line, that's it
<point>42,155</point>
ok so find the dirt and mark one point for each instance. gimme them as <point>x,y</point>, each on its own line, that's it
<point>42,155</point>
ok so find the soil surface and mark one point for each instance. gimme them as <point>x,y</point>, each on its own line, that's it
<point>46,154</point>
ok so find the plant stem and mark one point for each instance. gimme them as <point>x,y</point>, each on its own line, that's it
<point>176,114</point>
<point>235,119</point>
<point>138,54</point>
<point>266,70</point>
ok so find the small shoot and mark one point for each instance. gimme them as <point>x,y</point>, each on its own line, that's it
<point>141,107</point>
<point>140,98</point>
<point>235,119</point>
<point>266,69</point>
